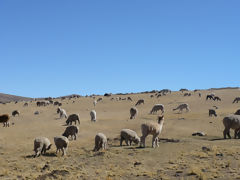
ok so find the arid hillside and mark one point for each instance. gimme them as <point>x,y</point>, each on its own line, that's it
<point>4,98</point>
<point>179,155</point>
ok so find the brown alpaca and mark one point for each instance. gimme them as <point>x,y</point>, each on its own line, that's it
<point>5,120</point>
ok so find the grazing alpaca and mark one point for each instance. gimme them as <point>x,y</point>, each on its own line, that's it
<point>140,101</point>
<point>156,108</point>
<point>181,107</point>
<point>129,99</point>
<point>100,142</point>
<point>217,98</point>
<point>211,97</point>
<point>16,112</point>
<point>212,112</point>
<point>237,112</point>
<point>73,118</point>
<point>61,143</point>
<point>187,94</point>
<point>129,135</point>
<point>41,145</point>
<point>236,100</point>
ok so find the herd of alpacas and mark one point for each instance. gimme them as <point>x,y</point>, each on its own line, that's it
<point>42,144</point>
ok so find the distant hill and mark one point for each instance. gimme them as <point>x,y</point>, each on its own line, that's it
<point>70,96</point>
<point>223,88</point>
<point>4,98</point>
<point>61,97</point>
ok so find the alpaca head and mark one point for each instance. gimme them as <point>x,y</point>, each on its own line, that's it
<point>160,119</point>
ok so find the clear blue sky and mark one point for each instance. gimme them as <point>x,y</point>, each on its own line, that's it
<point>59,47</point>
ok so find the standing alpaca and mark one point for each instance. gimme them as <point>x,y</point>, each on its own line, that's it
<point>133,113</point>
<point>94,103</point>
<point>231,122</point>
<point>152,128</point>
<point>93,115</point>
<point>5,120</point>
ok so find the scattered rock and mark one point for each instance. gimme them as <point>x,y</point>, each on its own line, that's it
<point>177,175</point>
<point>199,134</point>
<point>204,148</point>
<point>46,166</point>
<point>116,139</point>
<point>99,154</point>
<point>137,163</point>
<point>179,171</point>
<point>219,154</point>
<point>181,118</point>
<point>53,175</point>
<point>36,112</point>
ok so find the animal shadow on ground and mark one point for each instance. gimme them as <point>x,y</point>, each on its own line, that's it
<point>29,156</point>
<point>217,139</point>
<point>51,154</point>
<point>113,146</point>
<point>213,138</point>
<point>132,147</point>
<point>164,140</point>
<point>177,113</point>
<point>99,153</point>
<point>86,150</point>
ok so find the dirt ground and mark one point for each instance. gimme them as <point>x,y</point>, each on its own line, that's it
<point>188,157</point>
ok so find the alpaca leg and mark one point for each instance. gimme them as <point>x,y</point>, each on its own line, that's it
<point>226,132</point>
<point>127,142</point>
<point>63,152</point>
<point>154,141</point>
<point>142,143</point>
<point>121,140</point>
<point>235,133</point>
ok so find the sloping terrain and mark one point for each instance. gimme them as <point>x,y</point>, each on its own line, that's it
<point>4,98</point>
<point>179,155</point>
